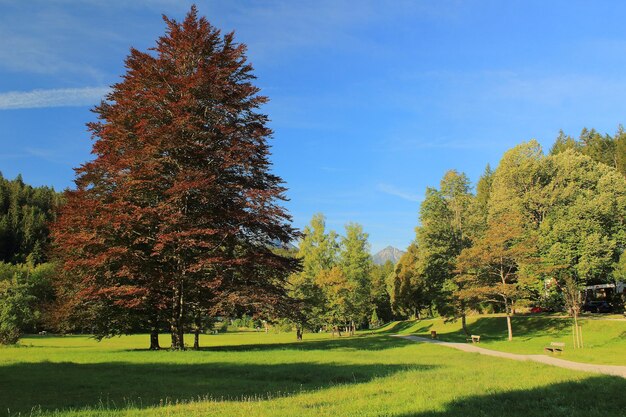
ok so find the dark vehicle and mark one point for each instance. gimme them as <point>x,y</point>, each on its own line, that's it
<point>597,307</point>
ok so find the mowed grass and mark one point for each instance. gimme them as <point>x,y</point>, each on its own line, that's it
<point>258,374</point>
<point>604,338</point>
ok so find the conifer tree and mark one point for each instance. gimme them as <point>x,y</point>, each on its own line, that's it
<point>179,207</point>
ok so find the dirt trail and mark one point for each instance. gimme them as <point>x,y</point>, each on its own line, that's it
<point>549,360</point>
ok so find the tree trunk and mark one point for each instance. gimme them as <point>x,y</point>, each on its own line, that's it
<point>174,322</point>
<point>174,334</point>
<point>154,334</point>
<point>176,325</point>
<point>154,339</point>
<point>464,324</point>
<point>196,338</point>
<point>181,321</point>
<point>508,325</point>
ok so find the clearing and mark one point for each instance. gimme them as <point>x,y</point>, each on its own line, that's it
<point>256,374</point>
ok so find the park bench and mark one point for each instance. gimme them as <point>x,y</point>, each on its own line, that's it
<point>473,338</point>
<point>555,347</point>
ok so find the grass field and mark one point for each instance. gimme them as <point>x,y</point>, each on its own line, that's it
<point>604,339</point>
<point>257,374</point>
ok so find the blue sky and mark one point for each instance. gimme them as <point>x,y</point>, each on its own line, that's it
<point>371,101</point>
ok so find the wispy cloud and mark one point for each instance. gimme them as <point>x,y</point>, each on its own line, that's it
<point>60,97</point>
<point>397,192</point>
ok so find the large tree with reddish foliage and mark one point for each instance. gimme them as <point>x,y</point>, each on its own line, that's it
<point>179,209</point>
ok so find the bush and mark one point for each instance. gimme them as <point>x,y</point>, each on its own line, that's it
<point>552,301</point>
<point>222,326</point>
<point>282,326</point>
<point>16,311</point>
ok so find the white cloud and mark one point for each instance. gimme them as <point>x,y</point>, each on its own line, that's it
<point>397,192</point>
<point>60,97</point>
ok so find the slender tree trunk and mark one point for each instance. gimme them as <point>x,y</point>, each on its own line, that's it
<point>176,327</point>
<point>174,319</point>
<point>464,319</point>
<point>154,340</point>
<point>464,324</point>
<point>508,325</point>
<point>174,334</point>
<point>154,334</point>
<point>196,338</point>
<point>298,333</point>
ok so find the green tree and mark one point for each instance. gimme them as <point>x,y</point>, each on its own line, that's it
<point>339,299</point>
<point>381,300</point>
<point>519,184</point>
<point>16,309</point>
<point>563,142</point>
<point>407,285</point>
<point>479,207</point>
<point>318,250</point>
<point>356,263</point>
<point>374,320</point>
<point>620,150</point>
<point>493,270</point>
<point>444,232</point>
<point>607,149</point>
<point>584,232</point>
<point>25,213</point>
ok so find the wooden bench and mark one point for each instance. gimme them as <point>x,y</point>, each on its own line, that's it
<point>555,347</point>
<point>473,338</point>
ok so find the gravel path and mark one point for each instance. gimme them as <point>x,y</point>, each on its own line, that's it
<point>549,360</point>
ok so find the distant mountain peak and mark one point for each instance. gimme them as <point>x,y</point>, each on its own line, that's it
<point>388,254</point>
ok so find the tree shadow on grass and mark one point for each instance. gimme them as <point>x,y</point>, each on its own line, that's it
<point>359,342</point>
<point>594,397</point>
<point>50,386</point>
<point>369,342</point>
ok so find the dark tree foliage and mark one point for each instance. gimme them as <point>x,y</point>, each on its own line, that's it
<point>177,215</point>
<point>25,213</point>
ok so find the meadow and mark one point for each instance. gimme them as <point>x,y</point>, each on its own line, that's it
<point>258,374</point>
<point>604,336</point>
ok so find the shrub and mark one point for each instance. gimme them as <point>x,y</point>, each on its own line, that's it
<point>16,311</point>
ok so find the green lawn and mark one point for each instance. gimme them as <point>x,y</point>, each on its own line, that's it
<point>257,374</point>
<point>604,339</point>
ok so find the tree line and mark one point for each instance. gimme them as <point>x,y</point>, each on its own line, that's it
<point>537,230</point>
<point>339,286</point>
<point>26,275</point>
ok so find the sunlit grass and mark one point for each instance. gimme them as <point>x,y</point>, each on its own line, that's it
<point>604,339</point>
<point>258,374</point>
